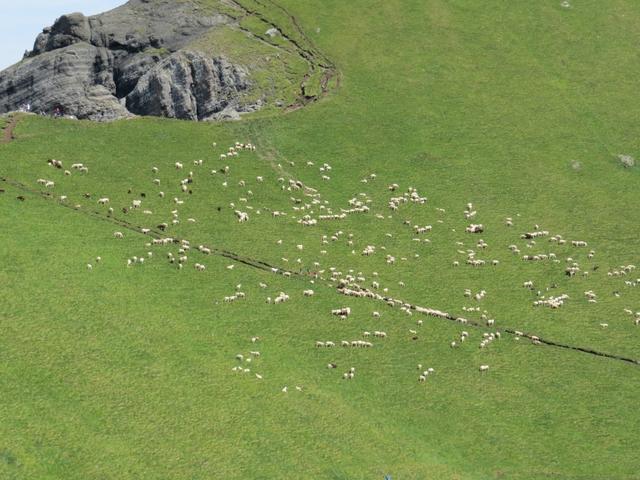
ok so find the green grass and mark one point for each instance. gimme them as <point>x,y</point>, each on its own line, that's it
<point>275,72</point>
<point>126,372</point>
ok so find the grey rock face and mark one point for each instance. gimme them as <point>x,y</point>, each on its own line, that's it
<point>131,60</point>
<point>67,30</point>
<point>187,85</point>
<point>71,78</point>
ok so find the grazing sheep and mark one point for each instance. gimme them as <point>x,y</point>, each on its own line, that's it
<point>473,228</point>
<point>342,312</point>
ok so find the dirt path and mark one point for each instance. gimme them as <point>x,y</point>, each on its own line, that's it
<point>7,131</point>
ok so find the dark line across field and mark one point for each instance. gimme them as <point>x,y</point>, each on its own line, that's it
<point>512,331</point>
<point>152,233</point>
<point>264,266</point>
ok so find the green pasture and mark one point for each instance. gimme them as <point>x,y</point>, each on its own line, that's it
<point>520,108</point>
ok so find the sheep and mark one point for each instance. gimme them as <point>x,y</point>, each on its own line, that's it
<point>55,163</point>
<point>118,235</point>
<point>179,166</point>
<point>103,201</point>
<point>308,293</point>
<point>484,368</point>
<point>242,216</point>
<point>475,228</point>
<point>342,312</point>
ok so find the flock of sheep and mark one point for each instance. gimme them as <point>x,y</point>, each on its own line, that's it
<point>309,210</point>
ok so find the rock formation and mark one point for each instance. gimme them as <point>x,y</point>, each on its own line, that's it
<point>143,58</point>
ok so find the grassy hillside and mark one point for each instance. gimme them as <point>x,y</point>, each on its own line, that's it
<point>519,108</point>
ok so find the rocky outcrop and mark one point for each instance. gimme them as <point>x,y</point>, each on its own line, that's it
<point>189,85</point>
<point>137,59</point>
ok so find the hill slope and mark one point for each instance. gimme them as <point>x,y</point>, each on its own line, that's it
<point>128,371</point>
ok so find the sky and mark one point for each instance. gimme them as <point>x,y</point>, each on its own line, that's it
<point>21,21</point>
